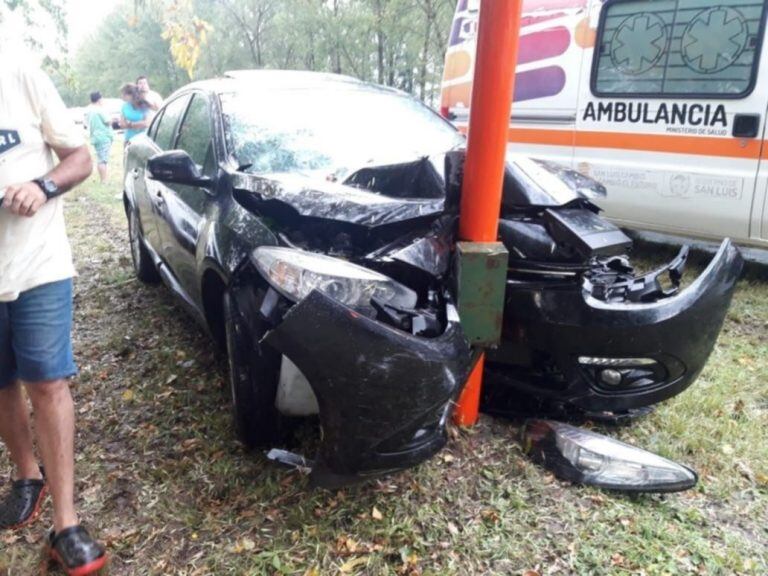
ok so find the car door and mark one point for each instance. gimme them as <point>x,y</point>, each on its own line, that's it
<point>136,179</point>
<point>153,206</point>
<point>185,205</point>
<point>672,118</point>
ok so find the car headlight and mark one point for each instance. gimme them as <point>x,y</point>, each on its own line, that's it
<point>589,458</point>
<point>296,273</point>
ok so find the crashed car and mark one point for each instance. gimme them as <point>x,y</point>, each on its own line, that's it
<point>309,222</point>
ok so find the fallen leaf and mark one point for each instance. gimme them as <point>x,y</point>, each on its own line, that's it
<point>350,565</point>
<point>376,514</point>
<point>248,544</point>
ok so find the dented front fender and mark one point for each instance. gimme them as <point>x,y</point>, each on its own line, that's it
<point>384,395</point>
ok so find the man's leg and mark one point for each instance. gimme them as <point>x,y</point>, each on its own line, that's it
<point>14,412</point>
<point>41,321</point>
<point>55,429</point>
<point>15,431</point>
<point>102,172</point>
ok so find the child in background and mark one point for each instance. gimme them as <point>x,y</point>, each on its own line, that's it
<point>101,134</point>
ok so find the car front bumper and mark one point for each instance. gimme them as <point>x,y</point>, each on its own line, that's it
<point>384,395</point>
<point>569,339</point>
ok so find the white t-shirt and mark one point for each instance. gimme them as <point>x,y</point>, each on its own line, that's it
<point>33,251</point>
<point>154,99</point>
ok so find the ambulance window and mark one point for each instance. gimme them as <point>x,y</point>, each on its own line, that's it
<point>678,48</point>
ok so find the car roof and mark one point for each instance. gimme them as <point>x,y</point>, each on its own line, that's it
<point>277,80</point>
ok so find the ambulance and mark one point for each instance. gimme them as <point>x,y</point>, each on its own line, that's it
<point>663,101</point>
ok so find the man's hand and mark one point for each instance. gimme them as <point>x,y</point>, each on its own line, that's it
<point>24,199</point>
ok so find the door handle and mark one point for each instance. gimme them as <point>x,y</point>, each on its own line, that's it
<point>135,173</point>
<point>746,125</point>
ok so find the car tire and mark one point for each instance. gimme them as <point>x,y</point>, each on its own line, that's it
<point>254,371</point>
<point>142,262</point>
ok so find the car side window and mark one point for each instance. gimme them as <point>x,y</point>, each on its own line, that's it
<point>678,48</point>
<point>196,135</point>
<point>152,132</point>
<point>166,129</point>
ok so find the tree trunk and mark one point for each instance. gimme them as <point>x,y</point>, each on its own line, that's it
<point>429,23</point>
<point>381,41</point>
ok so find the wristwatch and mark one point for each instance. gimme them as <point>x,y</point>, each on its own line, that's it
<point>48,187</point>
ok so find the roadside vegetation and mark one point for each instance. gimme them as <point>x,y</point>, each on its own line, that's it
<point>399,43</point>
<point>162,480</point>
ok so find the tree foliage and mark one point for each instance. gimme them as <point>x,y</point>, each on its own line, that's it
<point>128,44</point>
<point>400,43</point>
<point>43,27</point>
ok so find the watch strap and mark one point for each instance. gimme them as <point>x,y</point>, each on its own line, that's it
<point>48,187</point>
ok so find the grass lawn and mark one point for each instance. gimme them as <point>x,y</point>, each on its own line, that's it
<point>162,480</point>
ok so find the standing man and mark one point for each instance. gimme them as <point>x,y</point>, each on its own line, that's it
<point>152,98</point>
<point>100,128</point>
<point>36,273</point>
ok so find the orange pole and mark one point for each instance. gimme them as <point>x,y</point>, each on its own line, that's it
<point>492,92</point>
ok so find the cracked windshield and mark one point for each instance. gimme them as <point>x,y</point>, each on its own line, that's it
<point>286,131</point>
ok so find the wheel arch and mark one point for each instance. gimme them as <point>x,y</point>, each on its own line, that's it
<point>214,284</point>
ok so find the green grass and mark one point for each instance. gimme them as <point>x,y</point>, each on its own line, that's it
<point>162,480</point>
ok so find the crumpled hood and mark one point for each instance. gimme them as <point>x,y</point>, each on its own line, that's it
<point>372,196</point>
<point>377,195</point>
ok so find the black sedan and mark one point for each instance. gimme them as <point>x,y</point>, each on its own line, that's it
<point>308,221</point>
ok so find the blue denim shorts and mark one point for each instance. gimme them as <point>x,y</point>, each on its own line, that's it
<point>102,152</point>
<point>36,335</point>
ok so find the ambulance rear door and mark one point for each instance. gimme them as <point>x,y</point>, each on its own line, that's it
<point>673,115</point>
<point>760,224</point>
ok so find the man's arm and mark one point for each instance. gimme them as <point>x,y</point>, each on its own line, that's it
<point>154,100</point>
<point>74,167</point>
<point>138,125</point>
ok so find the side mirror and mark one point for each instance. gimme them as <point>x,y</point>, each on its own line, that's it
<point>177,167</point>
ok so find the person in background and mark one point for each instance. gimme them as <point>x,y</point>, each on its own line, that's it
<point>135,113</point>
<point>152,98</point>
<point>36,271</point>
<point>101,134</point>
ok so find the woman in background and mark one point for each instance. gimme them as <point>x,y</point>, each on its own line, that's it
<point>135,113</point>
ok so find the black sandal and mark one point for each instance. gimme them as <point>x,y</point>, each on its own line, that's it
<point>23,503</point>
<point>76,552</point>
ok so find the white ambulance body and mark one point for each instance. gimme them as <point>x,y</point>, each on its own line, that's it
<point>663,101</point>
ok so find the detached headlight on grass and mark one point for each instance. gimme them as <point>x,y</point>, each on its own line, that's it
<point>589,458</point>
<point>295,273</point>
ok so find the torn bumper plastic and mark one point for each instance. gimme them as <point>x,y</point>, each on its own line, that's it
<point>384,395</point>
<point>598,355</point>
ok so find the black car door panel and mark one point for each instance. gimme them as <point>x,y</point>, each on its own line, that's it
<point>186,205</point>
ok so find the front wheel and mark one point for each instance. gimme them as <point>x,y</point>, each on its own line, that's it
<point>254,371</point>
<point>142,262</point>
